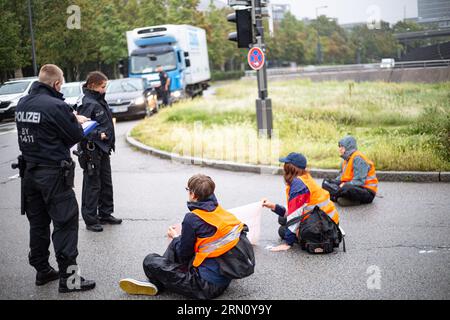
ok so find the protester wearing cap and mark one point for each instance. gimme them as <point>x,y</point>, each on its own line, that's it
<point>303,194</point>
<point>357,182</point>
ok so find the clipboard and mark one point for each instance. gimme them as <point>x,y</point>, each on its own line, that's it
<point>88,126</point>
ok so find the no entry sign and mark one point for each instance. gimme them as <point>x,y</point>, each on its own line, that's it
<point>256,58</point>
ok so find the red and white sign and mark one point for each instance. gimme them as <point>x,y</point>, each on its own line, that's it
<point>256,58</point>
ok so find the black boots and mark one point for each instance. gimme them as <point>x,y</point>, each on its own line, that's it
<point>46,276</point>
<point>70,285</point>
<point>109,220</point>
<point>103,220</point>
<point>94,227</point>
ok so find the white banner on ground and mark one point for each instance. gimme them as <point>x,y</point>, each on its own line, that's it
<point>250,215</point>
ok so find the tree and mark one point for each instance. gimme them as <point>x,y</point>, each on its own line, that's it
<point>288,46</point>
<point>374,44</point>
<point>112,44</point>
<point>10,45</point>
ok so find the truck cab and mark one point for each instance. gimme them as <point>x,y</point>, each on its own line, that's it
<point>179,49</point>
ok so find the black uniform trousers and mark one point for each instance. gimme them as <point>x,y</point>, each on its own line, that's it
<point>49,199</point>
<point>97,195</point>
<point>167,273</point>
<point>348,191</point>
<point>165,96</point>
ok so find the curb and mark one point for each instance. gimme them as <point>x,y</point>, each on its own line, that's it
<point>392,176</point>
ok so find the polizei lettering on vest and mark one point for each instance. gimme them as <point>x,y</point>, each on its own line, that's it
<point>28,117</point>
<point>188,310</point>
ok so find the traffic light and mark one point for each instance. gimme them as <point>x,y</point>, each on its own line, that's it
<point>244,28</point>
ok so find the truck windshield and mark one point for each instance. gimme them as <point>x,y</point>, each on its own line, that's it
<point>148,63</point>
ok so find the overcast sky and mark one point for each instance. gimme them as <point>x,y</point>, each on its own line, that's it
<point>348,11</point>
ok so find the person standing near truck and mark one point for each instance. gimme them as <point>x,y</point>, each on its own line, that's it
<point>165,85</point>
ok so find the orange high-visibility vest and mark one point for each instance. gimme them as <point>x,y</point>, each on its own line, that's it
<point>319,197</point>
<point>226,237</point>
<point>347,172</point>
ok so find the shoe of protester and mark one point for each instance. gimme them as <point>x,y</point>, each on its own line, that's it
<point>110,220</point>
<point>136,287</point>
<point>83,285</point>
<point>46,276</point>
<point>94,227</point>
<point>344,202</point>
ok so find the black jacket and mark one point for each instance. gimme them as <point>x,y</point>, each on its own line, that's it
<point>46,126</point>
<point>94,106</point>
<point>192,228</point>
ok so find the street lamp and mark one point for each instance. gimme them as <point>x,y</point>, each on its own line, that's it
<point>319,45</point>
<point>33,47</point>
<point>317,10</point>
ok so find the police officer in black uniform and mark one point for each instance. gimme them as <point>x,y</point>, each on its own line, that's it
<point>47,129</point>
<point>94,156</point>
<point>165,85</point>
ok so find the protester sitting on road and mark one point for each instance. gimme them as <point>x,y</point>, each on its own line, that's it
<point>192,264</point>
<point>357,182</point>
<point>303,195</point>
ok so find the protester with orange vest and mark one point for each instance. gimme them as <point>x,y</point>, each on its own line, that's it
<point>191,264</point>
<point>303,195</point>
<point>357,182</point>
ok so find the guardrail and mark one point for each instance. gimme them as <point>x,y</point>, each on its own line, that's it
<point>349,67</point>
<point>422,64</point>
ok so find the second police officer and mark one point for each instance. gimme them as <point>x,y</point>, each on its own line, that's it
<point>47,129</point>
<point>94,156</point>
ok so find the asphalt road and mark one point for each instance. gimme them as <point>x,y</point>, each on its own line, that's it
<point>397,248</point>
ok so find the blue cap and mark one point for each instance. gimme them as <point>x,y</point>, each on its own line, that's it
<point>297,159</point>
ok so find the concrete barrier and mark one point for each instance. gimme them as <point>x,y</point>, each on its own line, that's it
<point>420,75</point>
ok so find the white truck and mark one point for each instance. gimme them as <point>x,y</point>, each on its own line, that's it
<point>181,50</point>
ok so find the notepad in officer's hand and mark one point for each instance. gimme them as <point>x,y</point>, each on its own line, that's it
<point>88,126</point>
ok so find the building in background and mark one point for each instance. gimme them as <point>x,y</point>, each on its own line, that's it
<point>279,11</point>
<point>434,12</point>
<point>204,4</point>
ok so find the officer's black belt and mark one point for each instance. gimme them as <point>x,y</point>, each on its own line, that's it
<point>31,165</point>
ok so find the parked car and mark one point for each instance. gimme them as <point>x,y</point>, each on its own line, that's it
<point>72,92</point>
<point>10,94</point>
<point>130,98</point>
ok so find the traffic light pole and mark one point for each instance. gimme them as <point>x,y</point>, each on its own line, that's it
<point>263,103</point>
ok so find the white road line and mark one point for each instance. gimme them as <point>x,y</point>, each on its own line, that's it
<point>8,124</point>
<point>16,176</point>
<point>7,132</point>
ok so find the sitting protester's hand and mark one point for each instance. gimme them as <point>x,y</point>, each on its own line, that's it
<point>172,233</point>
<point>342,184</point>
<point>281,247</point>
<point>267,204</point>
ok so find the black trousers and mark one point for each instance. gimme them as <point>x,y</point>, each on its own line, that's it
<point>97,194</point>
<point>165,96</point>
<point>348,191</point>
<point>167,273</point>
<point>49,199</point>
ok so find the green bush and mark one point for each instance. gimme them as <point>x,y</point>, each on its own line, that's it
<point>226,75</point>
<point>436,122</point>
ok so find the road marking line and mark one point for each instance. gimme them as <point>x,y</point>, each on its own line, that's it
<point>14,177</point>
<point>7,132</point>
